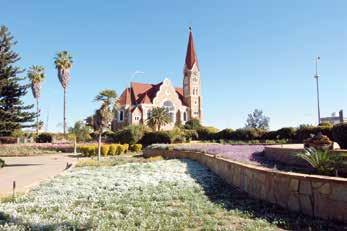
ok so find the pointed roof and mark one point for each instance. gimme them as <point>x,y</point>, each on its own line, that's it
<point>191,57</point>
<point>125,97</point>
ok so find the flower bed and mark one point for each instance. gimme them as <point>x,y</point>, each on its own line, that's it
<point>161,195</point>
<point>242,153</point>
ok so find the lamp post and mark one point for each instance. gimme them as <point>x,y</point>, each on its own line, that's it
<point>316,76</point>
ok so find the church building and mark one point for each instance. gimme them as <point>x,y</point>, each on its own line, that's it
<point>182,103</point>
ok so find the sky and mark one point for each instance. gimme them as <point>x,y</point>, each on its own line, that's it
<point>252,54</point>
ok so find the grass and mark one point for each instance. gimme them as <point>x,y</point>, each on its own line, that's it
<point>145,195</point>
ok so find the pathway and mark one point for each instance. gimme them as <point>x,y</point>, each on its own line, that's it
<point>30,171</point>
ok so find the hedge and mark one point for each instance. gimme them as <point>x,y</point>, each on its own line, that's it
<point>155,138</point>
<point>8,140</point>
<point>304,133</point>
<point>339,133</point>
<point>207,133</point>
<point>106,149</point>
<point>128,135</point>
<point>44,138</point>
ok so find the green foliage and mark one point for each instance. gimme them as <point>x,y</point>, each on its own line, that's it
<point>320,160</point>
<point>44,138</point>
<point>81,131</point>
<point>305,132</point>
<point>207,133</point>
<point>128,135</point>
<point>339,133</point>
<point>193,124</point>
<point>13,113</point>
<point>136,147</point>
<point>160,137</point>
<point>225,134</point>
<point>246,134</point>
<point>120,149</point>
<point>257,120</point>
<point>2,163</point>
<point>286,133</point>
<point>159,118</point>
<point>190,135</point>
<point>325,124</point>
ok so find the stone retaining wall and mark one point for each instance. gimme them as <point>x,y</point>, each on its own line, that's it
<point>319,196</point>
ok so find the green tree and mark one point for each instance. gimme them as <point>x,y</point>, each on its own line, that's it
<point>193,124</point>
<point>14,114</point>
<point>160,117</point>
<point>36,75</point>
<point>81,131</point>
<point>63,63</point>
<point>104,116</point>
<point>257,120</point>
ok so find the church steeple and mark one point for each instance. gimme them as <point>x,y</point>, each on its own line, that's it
<point>191,57</point>
<point>191,81</point>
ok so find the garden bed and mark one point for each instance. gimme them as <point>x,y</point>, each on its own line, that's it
<point>33,149</point>
<point>160,195</point>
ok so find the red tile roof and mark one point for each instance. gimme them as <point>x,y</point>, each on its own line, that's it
<point>141,93</point>
<point>191,57</point>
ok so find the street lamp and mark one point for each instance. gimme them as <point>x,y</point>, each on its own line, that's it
<point>316,76</point>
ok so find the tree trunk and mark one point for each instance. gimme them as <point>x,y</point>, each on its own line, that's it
<point>75,145</point>
<point>64,123</point>
<point>99,146</point>
<point>37,116</point>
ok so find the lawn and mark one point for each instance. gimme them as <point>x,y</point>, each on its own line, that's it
<point>145,195</point>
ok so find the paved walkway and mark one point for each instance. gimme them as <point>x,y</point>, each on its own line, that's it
<point>29,171</point>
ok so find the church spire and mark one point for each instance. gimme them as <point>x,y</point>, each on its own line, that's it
<point>191,57</point>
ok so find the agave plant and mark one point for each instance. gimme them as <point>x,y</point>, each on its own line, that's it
<point>63,63</point>
<point>36,75</point>
<point>320,160</point>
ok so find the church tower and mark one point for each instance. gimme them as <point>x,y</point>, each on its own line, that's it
<point>192,81</point>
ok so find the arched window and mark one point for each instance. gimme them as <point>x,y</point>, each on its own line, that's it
<point>184,116</point>
<point>149,114</point>
<point>168,105</point>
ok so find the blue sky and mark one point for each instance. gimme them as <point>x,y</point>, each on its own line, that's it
<point>252,54</point>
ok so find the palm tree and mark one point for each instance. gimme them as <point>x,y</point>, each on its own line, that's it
<point>63,63</point>
<point>320,160</point>
<point>160,117</point>
<point>36,75</point>
<point>103,116</point>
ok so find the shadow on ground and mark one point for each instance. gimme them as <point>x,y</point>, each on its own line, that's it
<point>21,165</point>
<point>231,198</point>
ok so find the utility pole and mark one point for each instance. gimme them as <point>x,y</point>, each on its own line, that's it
<point>317,82</point>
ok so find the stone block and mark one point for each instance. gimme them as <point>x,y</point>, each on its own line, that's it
<point>339,192</point>
<point>306,204</point>
<point>305,187</point>
<point>294,185</point>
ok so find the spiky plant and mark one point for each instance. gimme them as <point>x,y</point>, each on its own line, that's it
<point>36,75</point>
<point>103,116</point>
<point>63,62</point>
<point>159,117</point>
<point>320,160</point>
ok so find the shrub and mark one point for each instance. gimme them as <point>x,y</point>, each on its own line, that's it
<point>225,134</point>
<point>190,135</point>
<point>92,150</point>
<point>286,133</point>
<point>193,124</point>
<point>207,133</point>
<point>120,149</point>
<point>8,140</point>
<point>160,137</point>
<point>320,160</point>
<point>176,135</point>
<point>305,132</point>
<point>339,133</point>
<point>44,138</point>
<point>105,149</point>
<point>126,148</point>
<point>325,124</point>
<point>129,135</point>
<point>112,150</point>
<point>136,147</point>
<point>246,134</point>
<point>2,163</point>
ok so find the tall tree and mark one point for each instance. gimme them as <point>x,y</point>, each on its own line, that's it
<point>63,63</point>
<point>104,116</point>
<point>160,117</point>
<point>13,113</point>
<point>36,75</point>
<point>257,120</point>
